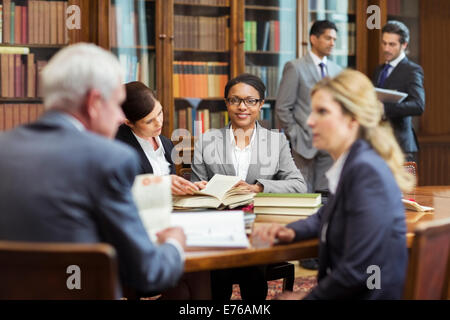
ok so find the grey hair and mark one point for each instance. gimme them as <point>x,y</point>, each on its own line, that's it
<point>74,71</point>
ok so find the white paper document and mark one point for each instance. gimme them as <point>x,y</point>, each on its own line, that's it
<point>153,198</point>
<point>390,96</point>
<point>212,228</point>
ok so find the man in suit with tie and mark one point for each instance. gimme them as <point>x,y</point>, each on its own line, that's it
<point>401,74</point>
<point>62,180</point>
<point>293,103</point>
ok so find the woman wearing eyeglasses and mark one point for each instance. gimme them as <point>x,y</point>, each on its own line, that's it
<point>261,158</point>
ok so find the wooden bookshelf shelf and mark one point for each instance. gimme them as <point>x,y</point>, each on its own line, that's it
<point>200,5</point>
<point>33,46</point>
<point>20,100</point>
<point>199,50</point>
<point>268,8</point>
<point>270,52</point>
<point>135,47</point>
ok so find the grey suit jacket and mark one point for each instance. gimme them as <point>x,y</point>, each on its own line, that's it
<point>271,160</point>
<point>60,184</point>
<point>293,104</point>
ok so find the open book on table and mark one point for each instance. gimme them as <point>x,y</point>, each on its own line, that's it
<point>212,229</point>
<point>219,193</point>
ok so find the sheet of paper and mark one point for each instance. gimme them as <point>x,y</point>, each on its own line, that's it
<point>153,198</point>
<point>212,228</point>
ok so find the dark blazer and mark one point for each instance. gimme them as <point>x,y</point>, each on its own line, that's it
<point>406,77</point>
<point>362,225</point>
<point>60,184</point>
<point>125,134</point>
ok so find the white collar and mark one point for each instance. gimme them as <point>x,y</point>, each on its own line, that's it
<point>145,141</point>
<point>334,173</point>
<point>317,60</point>
<point>233,140</point>
<point>397,60</point>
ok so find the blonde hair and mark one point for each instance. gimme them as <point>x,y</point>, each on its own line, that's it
<point>356,95</point>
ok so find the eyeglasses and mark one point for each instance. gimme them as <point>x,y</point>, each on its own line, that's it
<point>249,102</point>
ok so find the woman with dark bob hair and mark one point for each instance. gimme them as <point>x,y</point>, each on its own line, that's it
<point>142,131</point>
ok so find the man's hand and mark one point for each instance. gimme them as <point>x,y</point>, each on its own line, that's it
<point>176,233</point>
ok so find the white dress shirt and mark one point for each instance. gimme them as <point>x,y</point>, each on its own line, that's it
<point>241,157</point>
<point>161,167</point>
<point>317,61</point>
<point>334,173</point>
<point>395,62</point>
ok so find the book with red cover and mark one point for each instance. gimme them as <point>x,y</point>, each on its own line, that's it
<point>24,29</point>
<point>8,116</point>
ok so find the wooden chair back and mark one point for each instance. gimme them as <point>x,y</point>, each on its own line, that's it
<point>429,262</point>
<point>48,270</point>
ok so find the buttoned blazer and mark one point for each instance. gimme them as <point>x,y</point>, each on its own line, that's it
<point>361,231</point>
<point>271,161</point>
<point>293,104</point>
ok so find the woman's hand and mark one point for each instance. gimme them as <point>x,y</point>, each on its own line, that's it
<point>265,235</point>
<point>181,186</point>
<point>201,184</point>
<point>255,188</point>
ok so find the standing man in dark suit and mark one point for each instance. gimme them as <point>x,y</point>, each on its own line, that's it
<point>62,180</point>
<point>399,73</point>
<point>293,104</point>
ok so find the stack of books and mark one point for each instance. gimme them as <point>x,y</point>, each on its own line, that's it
<point>285,207</point>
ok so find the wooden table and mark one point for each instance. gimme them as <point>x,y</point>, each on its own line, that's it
<point>436,197</point>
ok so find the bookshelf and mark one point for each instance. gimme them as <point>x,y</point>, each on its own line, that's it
<point>270,31</point>
<point>31,32</point>
<point>343,14</point>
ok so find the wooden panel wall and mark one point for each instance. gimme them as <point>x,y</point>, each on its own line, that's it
<point>434,135</point>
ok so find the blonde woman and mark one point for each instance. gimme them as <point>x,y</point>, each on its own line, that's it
<point>361,229</point>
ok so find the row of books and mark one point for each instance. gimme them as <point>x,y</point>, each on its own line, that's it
<point>139,67</point>
<point>39,22</point>
<point>204,33</point>
<point>198,79</point>
<point>129,27</point>
<point>340,6</point>
<point>269,75</point>
<point>207,2</point>
<point>20,75</point>
<point>285,207</point>
<point>263,35</point>
<point>13,115</point>
<point>200,120</point>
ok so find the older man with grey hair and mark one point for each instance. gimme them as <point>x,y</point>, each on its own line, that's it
<point>63,181</point>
